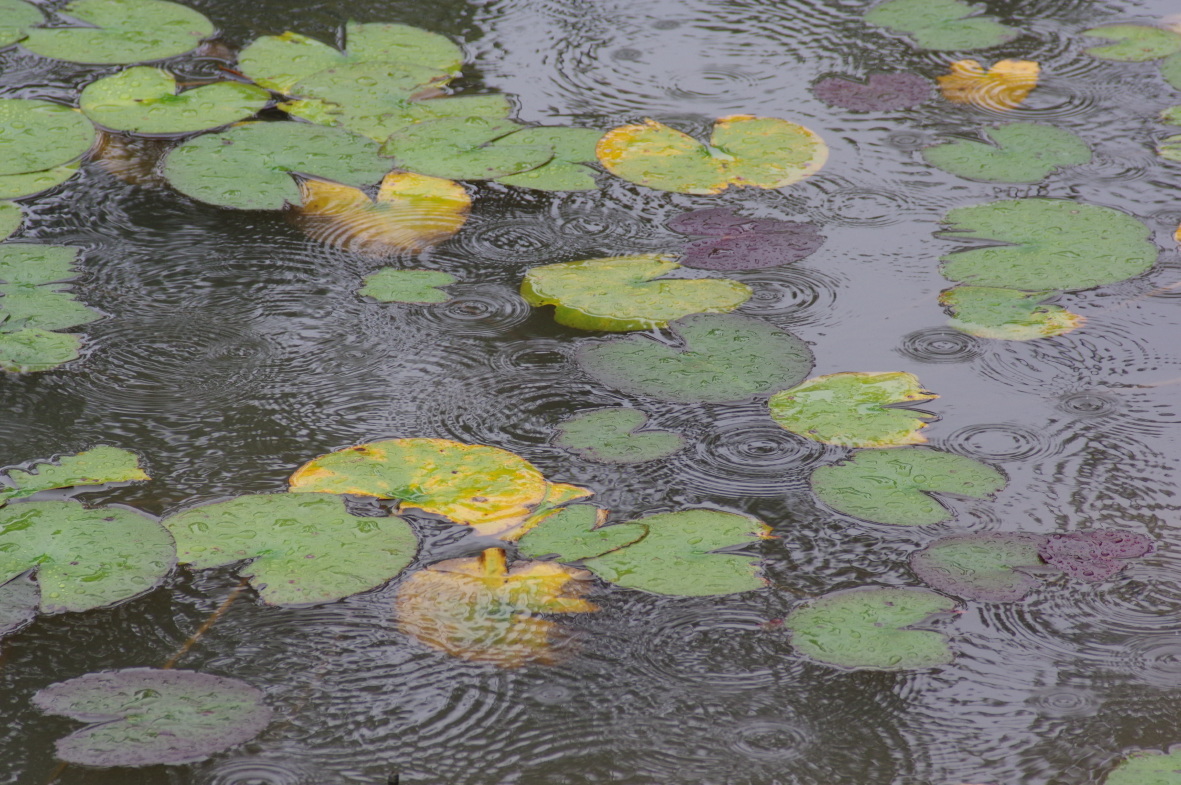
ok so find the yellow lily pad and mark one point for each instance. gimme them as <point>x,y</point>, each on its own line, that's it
<point>1001,88</point>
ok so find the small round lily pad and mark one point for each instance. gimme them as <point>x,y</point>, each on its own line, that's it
<point>613,436</point>
<point>121,32</point>
<point>38,135</point>
<point>407,286</point>
<point>32,349</point>
<point>1020,153</point>
<point>980,566</point>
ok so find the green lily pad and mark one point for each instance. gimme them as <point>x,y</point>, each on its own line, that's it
<point>14,186</point>
<point>576,532</point>
<point>37,135</point>
<point>723,357</point>
<point>121,32</point>
<point>1006,314</point>
<point>894,485</point>
<point>1170,69</point>
<point>145,100</point>
<point>1047,244</point>
<point>394,116</point>
<point>573,147</point>
<point>83,558</point>
<point>19,599</point>
<point>15,17</point>
<point>941,24</point>
<point>1172,115</point>
<point>676,556</point>
<point>464,148</point>
<point>1020,153</point>
<point>29,264</point>
<point>620,293</point>
<point>149,717</point>
<point>609,436</point>
<point>248,166</point>
<point>303,549</point>
<point>1134,43</point>
<point>980,566</point>
<point>762,152</point>
<point>1170,148</point>
<point>359,91</point>
<point>407,286</point>
<point>31,350</point>
<point>97,466</point>
<point>10,219</point>
<point>1147,767</point>
<point>854,409</point>
<point>44,307</point>
<point>868,629</point>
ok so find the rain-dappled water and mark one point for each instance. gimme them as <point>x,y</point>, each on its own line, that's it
<point>234,349</point>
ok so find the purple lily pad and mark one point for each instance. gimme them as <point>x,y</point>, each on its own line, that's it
<point>716,221</point>
<point>735,242</point>
<point>879,93</point>
<point>1094,555</point>
<point>981,566</point>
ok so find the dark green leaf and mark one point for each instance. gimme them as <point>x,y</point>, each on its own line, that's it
<point>1020,153</point>
<point>30,350</point>
<point>577,532</point>
<point>120,32</point>
<point>96,466</point>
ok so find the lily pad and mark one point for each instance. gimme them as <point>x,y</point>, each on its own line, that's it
<point>1019,153</point>
<point>1094,555</point>
<point>941,24</point>
<point>870,629</point>
<point>856,409</point>
<point>1170,148</point>
<point>894,485</point>
<point>620,293</point>
<point>96,466</point>
<point>303,549</point>
<point>577,532</point>
<point>10,219</point>
<point>1134,43</point>
<point>38,135</point>
<point>394,113</point>
<point>149,717</point>
<point>1047,244</point>
<point>572,148</point>
<point>1147,767</point>
<point>762,152</point>
<point>44,307</point>
<point>248,167</point>
<point>982,566</point>
<point>120,32</point>
<point>465,148</point>
<point>351,92</point>
<point>14,186</point>
<point>678,555</point>
<point>482,610</point>
<point>610,436</point>
<point>407,286</point>
<point>722,357</point>
<point>737,243</point>
<point>146,100</point>
<point>31,264</point>
<point>1003,87</point>
<point>83,558</point>
<point>31,349</point>
<point>1170,69</point>
<point>1007,314</point>
<point>878,93</point>
<point>19,599</point>
<point>16,16</point>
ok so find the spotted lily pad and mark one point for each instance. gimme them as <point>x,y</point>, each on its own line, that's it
<point>878,93</point>
<point>149,717</point>
<point>397,112</point>
<point>857,409</point>
<point>1147,767</point>
<point>622,293</point>
<point>1006,314</point>
<point>985,566</point>
<point>1134,43</point>
<point>941,24</point>
<point>1019,153</point>
<point>613,436</point>
<point>97,466</point>
<point>894,485</point>
<point>10,219</point>
<point>738,243</point>
<point>577,532</point>
<point>249,166</point>
<point>1094,555</point>
<point>722,357</point>
<point>871,629</point>
<point>762,152</point>
<point>147,101</point>
<point>120,32</point>
<point>32,349</point>
<point>465,148</point>
<point>1045,244</point>
<point>355,92</point>
<point>303,549</point>
<point>16,16</point>
<point>13,186</point>
<point>39,135</point>
<point>407,286</point>
<point>1000,88</point>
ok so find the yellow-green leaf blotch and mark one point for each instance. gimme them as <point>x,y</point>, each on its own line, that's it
<point>1007,314</point>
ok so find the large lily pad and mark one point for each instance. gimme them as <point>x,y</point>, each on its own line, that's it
<point>1006,314</point>
<point>303,549</point>
<point>120,32</point>
<point>32,349</point>
<point>96,466</point>
<point>13,186</point>
<point>577,532</point>
<point>894,485</point>
<point>29,264</point>
<point>249,166</point>
<point>677,555</point>
<point>38,135</point>
<point>610,436</point>
<point>465,148</point>
<point>621,293</point>
<point>980,566</point>
<point>763,152</point>
<point>855,409</point>
<point>869,629</point>
<point>10,219</point>
<point>1020,153</point>
<point>149,717</point>
<point>722,357</point>
<point>941,24</point>
<point>1147,767</point>
<point>407,286</point>
<point>83,558</point>
<point>1094,555</point>
<point>1134,43</point>
<point>16,16</point>
<point>29,296</point>
<point>146,100</point>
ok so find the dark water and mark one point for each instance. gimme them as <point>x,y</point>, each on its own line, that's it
<point>235,349</point>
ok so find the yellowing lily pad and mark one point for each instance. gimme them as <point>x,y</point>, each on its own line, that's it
<point>941,24</point>
<point>857,409</point>
<point>619,293</point>
<point>120,32</point>
<point>407,286</point>
<point>1000,88</point>
<point>97,466</point>
<point>763,152</point>
<point>1019,153</point>
<point>613,436</point>
<point>1134,43</point>
<point>39,135</point>
<point>1007,314</point>
<point>577,532</point>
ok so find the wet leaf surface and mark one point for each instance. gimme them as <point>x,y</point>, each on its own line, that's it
<point>148,717</point>
<point>613,436</point>
<point>894,485</point>
<point>360,94</point>
<point>37,135</point>
<point>16,16</point>
<point>721,357</point>
<point>1007,314</point>
<point>941,24</point>
<point>868,629</point>
<point>31,265</point>
<point>1170,69</point>
<point>407,286</point>
<point>19,599</point>
<point>1094,555</point>
<point>878,93</point>
<point>96,466</point>
<point>394,113</point>
<point>121,32</point>
<point>1147,767</point>
<point>1170,148</point>
<point>1019,153</point>
<point>1000,88</point>
<point>572,148</point>
<point>577,532</point>
<point>983,566</point>
<point>31,349</point>
<point>465,148</point>
<point>10,219</point>
<point>13,186</point>
<point>1134,43</point>
<point>734,242</point>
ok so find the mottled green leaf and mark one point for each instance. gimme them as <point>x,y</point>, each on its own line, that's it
<point>30,350</point>
<point>16,16</point>
<point>577,532</point>
<point>1134,43</point>
<point>359,94</point>
<point>1020,153</point>
<point>146,100</point>
<point>38,135</point>
<point>10,219</point>
<point>941,24</point>
<point>407,286</point>
<point>96,466</point>
<point>1147,767</point>
<point>572,148</point>
<point>1006,314</point>
<point>26,263</point>
<point>981,565</point>
<point>396,116</point>
<point>120,32</point>
<point>14,186</point>
<point>464,148</point>
<point>45,307</point>
<point>610,436</point>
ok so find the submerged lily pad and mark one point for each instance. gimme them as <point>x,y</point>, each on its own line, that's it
<point>120,32</point>
<point>32,349</point>
<point>19,599</point>
<point>982,566</point>
<point>1047,244</point>
<point>1134,43</point>
<point>407,286</point>
<point>722,357</point>
<point>146,100</point>
<point>878,93</point>
<point>303,549</point>
<point>1007,314</point>
<point>762,152</point>
<point>869,629</point>
<point>38,135</point>
<point>621,293</point>
<point>577,532</point>
<point>894,485</point>
<point>1147,767</point>
<point>856,409</point>
<point>941,24</point>
<point>10,219</point>
<point>83,558</point>
<point>149,717</point>
<point>13,186</point>
<point>1003,87</point>
<point>610,436</point>
<point>1020,153</point>
<point>1094,555</point>
<point>737,243</point>
<point>96,466</point>
<point>16,16</point>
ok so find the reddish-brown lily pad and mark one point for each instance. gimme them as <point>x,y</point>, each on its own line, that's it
<point>1095,555</point>
<point>733,242</point>
<point>878,93</point>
